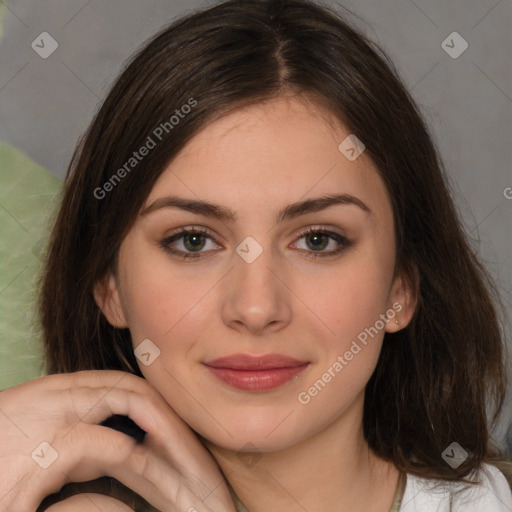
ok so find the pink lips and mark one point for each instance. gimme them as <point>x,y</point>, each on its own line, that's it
<point>253,373</point>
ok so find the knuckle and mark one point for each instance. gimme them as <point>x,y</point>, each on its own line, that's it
<point>133,456</point>
<point>140,385</point>
<point>121,449</point>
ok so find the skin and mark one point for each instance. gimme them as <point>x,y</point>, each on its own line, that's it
<point>89,501</point>
<point>255,161</point>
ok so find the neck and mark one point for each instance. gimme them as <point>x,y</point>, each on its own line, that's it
<point>332,470</point>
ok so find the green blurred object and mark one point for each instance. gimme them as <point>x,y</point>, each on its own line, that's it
<point>28,200</point>
<point>3,12</point>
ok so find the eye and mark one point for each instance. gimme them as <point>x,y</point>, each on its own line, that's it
<point>194,242</point>
<point>188,243</point>
<point>317,240</point>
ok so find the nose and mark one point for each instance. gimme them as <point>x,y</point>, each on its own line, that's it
<point>256,299</point>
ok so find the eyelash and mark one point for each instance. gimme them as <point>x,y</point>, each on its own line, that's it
<point>340,239</point>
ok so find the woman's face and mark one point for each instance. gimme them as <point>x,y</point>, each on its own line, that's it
<point>254,284</point>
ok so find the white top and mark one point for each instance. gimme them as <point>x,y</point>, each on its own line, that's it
<point>493,495</point>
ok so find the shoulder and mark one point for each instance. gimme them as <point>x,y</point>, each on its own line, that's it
<point>425,495</point>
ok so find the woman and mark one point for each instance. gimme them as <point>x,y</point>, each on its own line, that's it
<point>257,261</point>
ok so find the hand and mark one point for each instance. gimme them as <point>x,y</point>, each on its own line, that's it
<point>170,469</point>
<point>87,501</point>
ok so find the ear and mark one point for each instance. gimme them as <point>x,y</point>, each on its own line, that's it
<point>402,300</point>
<point>106,295</point>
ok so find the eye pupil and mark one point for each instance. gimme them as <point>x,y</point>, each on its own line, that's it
<point>320,241</point>
<point>194,241</point>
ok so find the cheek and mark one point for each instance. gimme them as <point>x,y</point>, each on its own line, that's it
<point>163,308</point>
<point>350,298</point>
<point>157,298</point>
<point>350,303</point>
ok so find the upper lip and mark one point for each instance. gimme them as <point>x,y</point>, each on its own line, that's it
<point>248,362</point>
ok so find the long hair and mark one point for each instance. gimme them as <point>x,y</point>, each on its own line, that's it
<point>436,377</point>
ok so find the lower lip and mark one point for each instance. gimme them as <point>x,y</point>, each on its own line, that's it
<point>256,380</point>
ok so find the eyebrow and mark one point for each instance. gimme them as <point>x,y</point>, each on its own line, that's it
<point>289,212</point>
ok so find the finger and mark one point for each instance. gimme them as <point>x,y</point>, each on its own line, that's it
<point>167,434</point>
<point>143,468</point>
<point>148,409</point>
<point>92,451</point>
<point>95,396</point>
<point>86,454</point>
<point>87,502</point>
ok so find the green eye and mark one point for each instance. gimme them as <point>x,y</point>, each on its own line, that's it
<point>194,241</point>
<point>318,240</point>
<point>191,243</point>
<point>188,243</point>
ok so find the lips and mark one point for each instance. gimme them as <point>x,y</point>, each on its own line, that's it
<point>256,373</point>
<point>247,362</point>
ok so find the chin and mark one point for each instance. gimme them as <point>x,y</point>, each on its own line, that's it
<point>255,432</point>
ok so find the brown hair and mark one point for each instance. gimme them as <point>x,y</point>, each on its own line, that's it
<point>434,378</point>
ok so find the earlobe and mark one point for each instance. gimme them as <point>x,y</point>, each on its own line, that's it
<point>106,295</point>
<point>402,300</point>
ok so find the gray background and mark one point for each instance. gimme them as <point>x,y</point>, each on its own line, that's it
<point>46,104</point>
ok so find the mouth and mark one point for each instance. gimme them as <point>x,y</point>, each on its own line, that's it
<point>256,373</point>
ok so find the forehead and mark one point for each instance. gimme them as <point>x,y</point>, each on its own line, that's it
<point>269,154</point>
